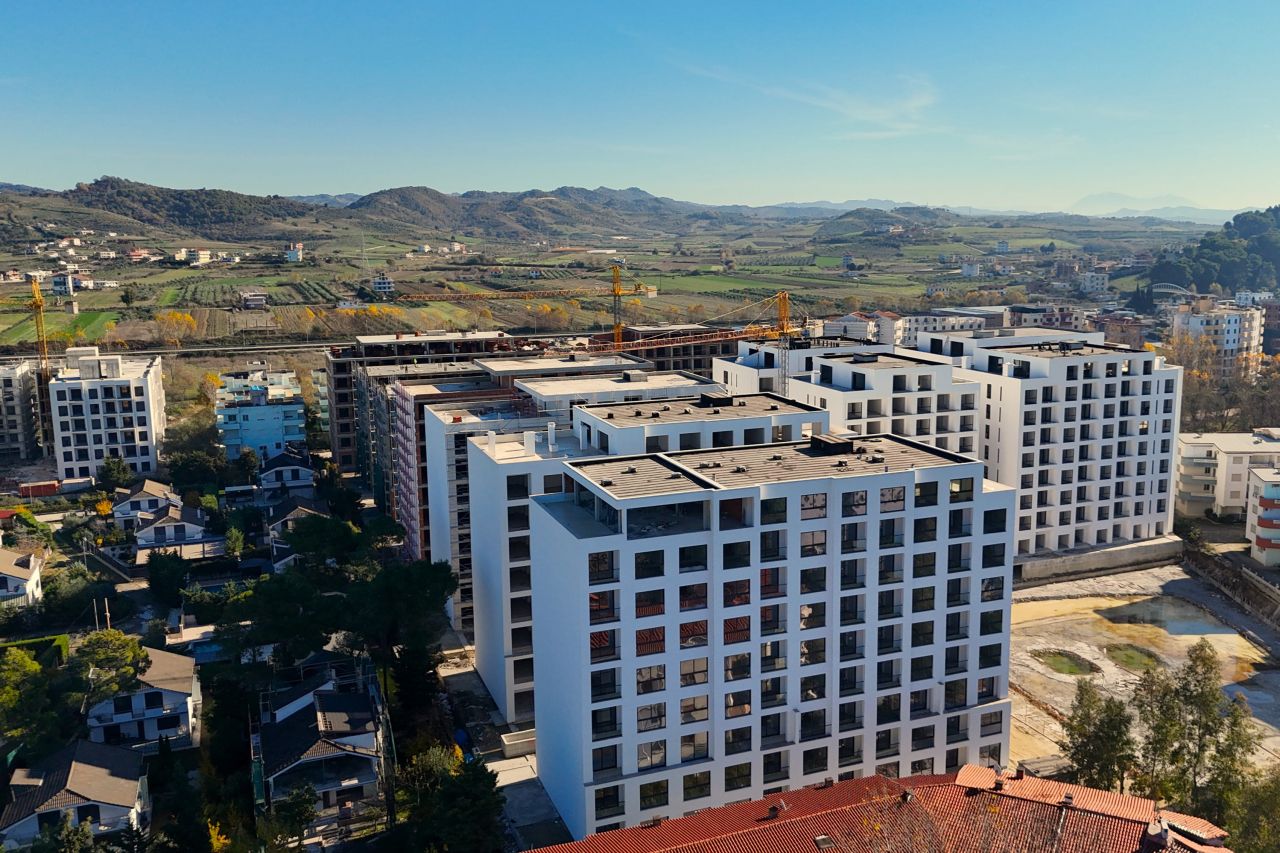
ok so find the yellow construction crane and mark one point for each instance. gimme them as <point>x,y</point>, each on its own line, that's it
<point>617,290</point>
<point>42,386</point>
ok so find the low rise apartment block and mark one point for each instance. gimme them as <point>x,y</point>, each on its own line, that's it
<point>106,405</point>
<point>260,410</point>
<point>720,624</point>
<point>1213,469</point>
<point>1262,525</point>
<point>1235,333</point>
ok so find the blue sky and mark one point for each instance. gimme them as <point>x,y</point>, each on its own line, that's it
<point>1010,105</point>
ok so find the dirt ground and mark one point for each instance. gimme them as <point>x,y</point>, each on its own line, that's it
<point>1163,611</point>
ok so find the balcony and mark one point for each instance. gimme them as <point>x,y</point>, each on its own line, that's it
<point>888,751</point>
<point>814,732</point>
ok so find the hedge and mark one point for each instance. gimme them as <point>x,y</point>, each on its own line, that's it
<point>51,651</point>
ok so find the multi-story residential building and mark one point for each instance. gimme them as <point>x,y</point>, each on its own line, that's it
<point>507,471</point>
<point>320,382</point>
<point>1270,325</point>
<point>1213,469</point>
<point>447,426</point>
<point>18,412</point>
<point>106,405</point>
<point>166,704</point>
<point>260,410</point>
<point>715,625</point>
<point>887,327</point>
<point>901,392</point>
<point>1262,526</point>
<point>1236,333</point>
<point>1070,317</point>
<point>1094,282</point>
<point>757,365</point>
<point>1250,298</point>
<point>1084,430</point>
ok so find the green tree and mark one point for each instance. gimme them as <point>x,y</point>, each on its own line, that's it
<point>234,545</point>
<point>114,473</point>
<point>1255,825</point>
<point>166,576</point>
<point>1155,699</point>
<point>109,662</point>
<point>248,464</point>
<point>128,296</point>
<point>468,811</point>
<point>1203,708</point>
<point>26,713</point>
<point>1096,737</point>
<point>65,838</point>
<point>421,778</point>
<point>1223,796</point>
<point>402,605</point>
<point>289,818</point>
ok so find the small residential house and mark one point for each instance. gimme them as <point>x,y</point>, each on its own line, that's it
<point>142,501</point>
<point>287,473</point>
<point>383,286</point>
<point>281,521</point>
<point>20,577</point>
<point>89,783</point>
<point>253,300</point>
<point>326,730</point>
<point>293,253</point>
<point>180,529</point>
<point>165,705</point>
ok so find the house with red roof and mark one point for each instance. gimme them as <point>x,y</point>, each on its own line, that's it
<point>974,810</point>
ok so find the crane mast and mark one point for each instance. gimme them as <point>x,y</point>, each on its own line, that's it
<point>42,385</point>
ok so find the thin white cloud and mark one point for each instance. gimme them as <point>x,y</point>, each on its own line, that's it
<point>879,115</point>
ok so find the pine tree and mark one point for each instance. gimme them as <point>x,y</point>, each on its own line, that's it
<point>1097,738</point>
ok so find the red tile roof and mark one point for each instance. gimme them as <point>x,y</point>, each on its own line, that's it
<point>962,812</point>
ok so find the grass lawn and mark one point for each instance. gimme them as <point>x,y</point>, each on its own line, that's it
<point>1067,663</point>
<point>92,323</point>
<point>1133,658</point>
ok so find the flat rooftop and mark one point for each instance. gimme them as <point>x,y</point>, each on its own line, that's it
<point>475,412</point>
<point>883,360</point>
<point>431,335</point>
<point>710,407</point>
<point>739,467</point>
<point>536,365</point>
<point>1266,440</point>
<point>1053,350</point>
<point>430,368</point>
<point>510,447</point>
<point>670,327</point>
<point>556,386</point>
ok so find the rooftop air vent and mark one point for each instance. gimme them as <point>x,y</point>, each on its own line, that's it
<point>739,469</point>
<point>606,483</point>
<point>630,469</point>
<point>609,416</point>
<point>824,842</point>
<point>773,407</point>
<point>666,408</point>
<point>655,414</point>
<point>715,411</point>
<point>842,463</point>
<point>777,457</point>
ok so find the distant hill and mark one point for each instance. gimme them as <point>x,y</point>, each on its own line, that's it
<point>855,222</point>
<point>20,189</point>
<point>1160,207</point>
<point>1243,255</point>
<point>326,200</point>
<point>560,213</point>
<point>219,214</point>
<point>850,204</point>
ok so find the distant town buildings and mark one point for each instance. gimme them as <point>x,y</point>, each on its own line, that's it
<point>293,253</point>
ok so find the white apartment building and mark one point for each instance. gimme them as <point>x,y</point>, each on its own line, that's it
<point>1084,430</point>
<point>1236,333</point>
<point>509,470</point>
<point>1249,298</point>
<point>901,392</point>
<point>1213,469</point>
<point>716,625</point>
<point>106,405</point>
<point>446,427</point>
<point>260,410</point>
<point>886,327</point>
<point>1094,282</point>
<point>17,412</point>
<point>1262,525</point>
<point>758,365</point>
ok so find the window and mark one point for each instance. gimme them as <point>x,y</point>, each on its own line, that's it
<point>603,606</point>
<point>893,499</point>
<point>602,567</point>
<point>697,785</point>
<point>693,558</point>
<point>924,565</point>
<point>926,494</point>
<point>737,555</point>
<point>649,565</point>
<point>694,709</point>
<point>991,622</point>
<point>922,599</point>
<point>693,746</point>
<point>605,684</point>
<point>922,634</point>
<point>604,723</point>
<point>651,717</point>
<point>737,740</point>
<point>737,593</point>
<point>654,794</point>
<point>604,759</point>
<point>737,777</point>
<point>962,490</point>
<point>517,487</point>
<point>737,704</point>
<point>651,679</point>
<point>853,503</point>
<point>814,760</point>
<point>925,529</point>
<point>813,506</point>
<point>693,671</point>
<point>992,589</point>
<point>650,641</point>
<point>650,603</point>
<point>813,543</point>
<point>773,511</point>
<point>813,580</point>
<point>737,666</point>
<point>693,596</point>
<point>609,802</point>
<point>993,521</point>
<point>693,634</point>
<point>993,556</point>
<point>651,754</point>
